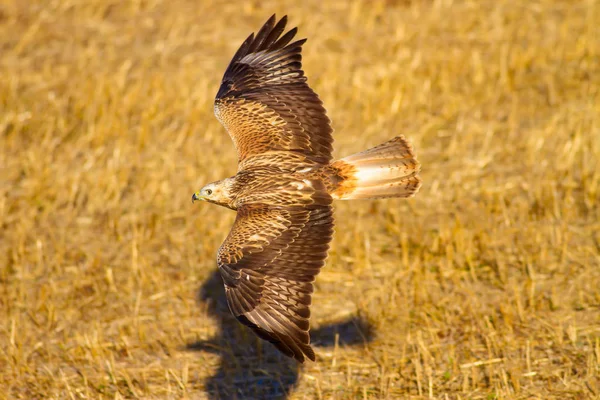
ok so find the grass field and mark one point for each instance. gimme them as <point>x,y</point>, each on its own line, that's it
<point>486,285</point>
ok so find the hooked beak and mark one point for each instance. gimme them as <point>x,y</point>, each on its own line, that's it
<point>197,196</point>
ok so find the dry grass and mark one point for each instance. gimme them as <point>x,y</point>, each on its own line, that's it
<point>484,286</point>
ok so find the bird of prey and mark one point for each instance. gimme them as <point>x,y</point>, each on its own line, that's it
<point>285,185</point>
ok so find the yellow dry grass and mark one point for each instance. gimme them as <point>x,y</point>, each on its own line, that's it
<point>484,286</point>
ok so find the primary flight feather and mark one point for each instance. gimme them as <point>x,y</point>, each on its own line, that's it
<point>285,185</point>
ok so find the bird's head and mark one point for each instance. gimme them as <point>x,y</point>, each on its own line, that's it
<point>216,192</point>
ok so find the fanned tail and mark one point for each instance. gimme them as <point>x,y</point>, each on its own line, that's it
<point>388,170</point>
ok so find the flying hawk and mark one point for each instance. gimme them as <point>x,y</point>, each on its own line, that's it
<point>285,185</point>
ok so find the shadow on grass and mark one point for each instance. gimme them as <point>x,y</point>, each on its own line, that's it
<point>250,367</point>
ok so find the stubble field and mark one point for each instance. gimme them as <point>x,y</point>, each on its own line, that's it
<point>483,286</point>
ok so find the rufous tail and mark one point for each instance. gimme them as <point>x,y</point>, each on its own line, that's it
<point>388,170</point>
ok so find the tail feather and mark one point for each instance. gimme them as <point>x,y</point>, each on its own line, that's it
<point>388,170</point>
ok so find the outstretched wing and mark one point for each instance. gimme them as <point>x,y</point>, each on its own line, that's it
<point>265,103</point>
<point>268,263</point>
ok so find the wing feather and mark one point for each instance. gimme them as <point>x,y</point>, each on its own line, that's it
<point>265,103</point>
<point>268,263</point>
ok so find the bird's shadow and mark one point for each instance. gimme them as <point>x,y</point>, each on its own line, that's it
<point>251,368</point>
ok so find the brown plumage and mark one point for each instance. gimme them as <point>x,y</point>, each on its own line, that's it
<point>285,185</point>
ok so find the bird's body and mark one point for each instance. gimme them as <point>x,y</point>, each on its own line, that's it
<point>285,185</point>
<point>266,184</point>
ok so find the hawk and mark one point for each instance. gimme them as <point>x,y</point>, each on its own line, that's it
<point>285,185</point>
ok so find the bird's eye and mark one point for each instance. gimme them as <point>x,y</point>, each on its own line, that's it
<point>209,191</point>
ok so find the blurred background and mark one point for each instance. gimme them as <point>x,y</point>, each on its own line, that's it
<point>485,285</point>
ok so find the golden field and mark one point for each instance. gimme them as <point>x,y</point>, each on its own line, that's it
<point>486,285</point>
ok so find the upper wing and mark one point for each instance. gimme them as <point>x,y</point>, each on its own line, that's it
<point>268,263</point>
<point>265,103</point>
